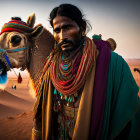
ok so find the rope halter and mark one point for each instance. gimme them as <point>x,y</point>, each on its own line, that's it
<point>14,25</point>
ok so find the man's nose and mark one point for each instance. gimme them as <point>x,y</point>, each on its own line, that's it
<point>63,35</point>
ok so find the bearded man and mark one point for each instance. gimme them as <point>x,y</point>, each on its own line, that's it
<point>86,91</point>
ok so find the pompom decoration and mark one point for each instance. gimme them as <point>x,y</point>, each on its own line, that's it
<point>97,37</point>
<point>3,78</point>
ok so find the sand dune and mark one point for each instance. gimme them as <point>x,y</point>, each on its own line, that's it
<point>135,63</point>
<point>6,96</point>
<point>17,128</point>
<point>8,111</point>
<point>21,92</point>
<point>15,124</point>
<point>13,101</point>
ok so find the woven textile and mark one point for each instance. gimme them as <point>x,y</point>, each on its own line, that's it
<point>16,25</point>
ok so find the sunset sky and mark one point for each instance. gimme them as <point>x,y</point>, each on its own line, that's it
<point>117,19</point>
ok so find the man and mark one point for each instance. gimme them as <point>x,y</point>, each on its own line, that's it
<point>86,91</point>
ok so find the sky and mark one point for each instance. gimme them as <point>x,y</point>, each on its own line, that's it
<point>118,19</point>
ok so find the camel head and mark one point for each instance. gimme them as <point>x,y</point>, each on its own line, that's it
<point>15,41</point>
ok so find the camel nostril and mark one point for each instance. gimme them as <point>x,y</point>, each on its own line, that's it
<point>15,40</point>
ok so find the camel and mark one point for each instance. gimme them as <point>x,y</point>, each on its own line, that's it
<point>137,69</point>
<point>14,44</point>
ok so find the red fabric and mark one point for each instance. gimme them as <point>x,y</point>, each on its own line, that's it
<point>10,30</point>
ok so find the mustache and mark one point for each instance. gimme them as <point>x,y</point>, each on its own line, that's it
<point>64,42</point>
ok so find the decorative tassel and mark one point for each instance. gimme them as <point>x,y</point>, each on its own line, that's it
<point>55,91</point>
<point>19,80</point>
<point>3,79</point>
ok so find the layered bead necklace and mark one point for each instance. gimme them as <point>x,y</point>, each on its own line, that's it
<point>68,73</point>
<point>66,70</point>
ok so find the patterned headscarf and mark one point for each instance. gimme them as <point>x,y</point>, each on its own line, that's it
<point>16,25</point>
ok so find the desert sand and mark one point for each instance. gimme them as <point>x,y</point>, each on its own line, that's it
<point>135,63</point>
<point>16,115</point>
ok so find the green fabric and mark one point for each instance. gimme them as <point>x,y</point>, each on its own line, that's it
<point>122,102</point>
<point>96,37</point>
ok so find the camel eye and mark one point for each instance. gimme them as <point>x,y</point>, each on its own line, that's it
<point>15,40</point>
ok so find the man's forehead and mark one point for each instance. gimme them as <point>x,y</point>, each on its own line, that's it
<point>62,20</point>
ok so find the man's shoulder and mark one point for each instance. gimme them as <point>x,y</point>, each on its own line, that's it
<point>114,54</point>
<point>118,63</point>
<point>116,57</point>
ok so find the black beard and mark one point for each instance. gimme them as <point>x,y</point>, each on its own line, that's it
<point>70,52</point>
<point>65,41</point>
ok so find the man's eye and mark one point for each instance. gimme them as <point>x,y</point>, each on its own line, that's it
<point>57,30</point>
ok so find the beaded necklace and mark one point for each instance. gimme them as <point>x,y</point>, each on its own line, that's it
<point>66,69</point>
<point>68,75</point>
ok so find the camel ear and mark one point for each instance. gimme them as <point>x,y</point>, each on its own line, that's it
<point>31,20</point>
<point>37,30</point>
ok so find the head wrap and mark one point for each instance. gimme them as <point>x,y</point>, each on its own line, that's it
<point>16,25</point>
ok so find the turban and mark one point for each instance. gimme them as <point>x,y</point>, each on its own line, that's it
<point>16,25</point>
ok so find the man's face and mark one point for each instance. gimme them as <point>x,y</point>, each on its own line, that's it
<point>67,32</point>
